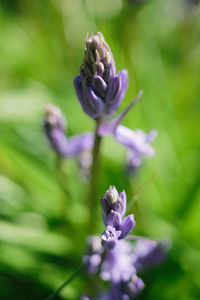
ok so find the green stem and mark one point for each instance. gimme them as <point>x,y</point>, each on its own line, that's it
<point>94,181</point>
<point>54,294</point>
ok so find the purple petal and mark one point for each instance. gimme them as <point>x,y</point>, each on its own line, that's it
<point>133,160</point>
<point>125,136</point>
<point>149,253</point>
<point>118,265</point>
<point>92,262</point>
<point>58,141</point>
<point>134,286</point>
<point>121,88</point>
<point>79,92</point>
<point>99,86</point>
<point>126,226</point>
<point>109,128</point>
<point>113,88</point>
<point>151,135</point>
<point>94,102</point>
<point>110,237</point>
<point>135,140</point>
<point>113,219</point>
<point>105,209</point>
<point>79,143</point>
<point>122,195</point>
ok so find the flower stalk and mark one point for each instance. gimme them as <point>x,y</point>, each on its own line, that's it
<point>54,294</point>
<point>94,180</point>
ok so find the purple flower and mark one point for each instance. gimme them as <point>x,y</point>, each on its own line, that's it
<point>137,143</point>
<point>149,253</point>
<point>110,237</point>
<point>118,263</point>
<point>112,201</point>
<point>93,258</point>
<point>99,89</point>
<point>113,209</point>
<point>55,125</point>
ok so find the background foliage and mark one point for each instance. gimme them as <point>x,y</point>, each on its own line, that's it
<point>42,236</point>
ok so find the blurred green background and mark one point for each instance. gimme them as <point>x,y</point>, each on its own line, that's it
<point>42,234</point>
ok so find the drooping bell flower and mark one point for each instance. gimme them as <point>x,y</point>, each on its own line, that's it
<point>55,125</point>
<point>99,89</point>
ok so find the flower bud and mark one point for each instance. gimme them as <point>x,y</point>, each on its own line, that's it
<point>113,201</point>
<point>54,118</point>
<point>112,195</point>
<point>99,89</point>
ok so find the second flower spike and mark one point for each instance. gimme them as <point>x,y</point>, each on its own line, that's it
<point>55,125</point>
<point>99,89</point>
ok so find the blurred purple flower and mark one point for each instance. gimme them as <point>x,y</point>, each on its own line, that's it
<point>55,126</point>
<point>127,290</point>
<point>149,253</point>
<point>137,143</point>
<point>124,290</point>
<point>99,89</point>
<point>93,258</point>
<point>118,265</point>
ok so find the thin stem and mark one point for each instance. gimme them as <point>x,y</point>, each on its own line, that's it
<point>94,180</point>
<point>54,294</point>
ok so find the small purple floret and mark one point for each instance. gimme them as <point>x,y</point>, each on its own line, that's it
<point>110,237</point>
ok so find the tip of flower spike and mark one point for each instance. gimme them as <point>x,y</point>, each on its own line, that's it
<point>112,194</point>
<point>51,109</point>
<point>54,116</point>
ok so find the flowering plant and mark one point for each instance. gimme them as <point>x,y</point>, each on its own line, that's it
<point>115,255</point>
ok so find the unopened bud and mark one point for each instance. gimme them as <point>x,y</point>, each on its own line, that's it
<point>112,195</point>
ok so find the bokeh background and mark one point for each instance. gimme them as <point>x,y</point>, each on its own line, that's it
<point>42,233</point>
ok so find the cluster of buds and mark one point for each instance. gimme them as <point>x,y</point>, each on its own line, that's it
<point>113,209</point>
<point>99,89</point>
